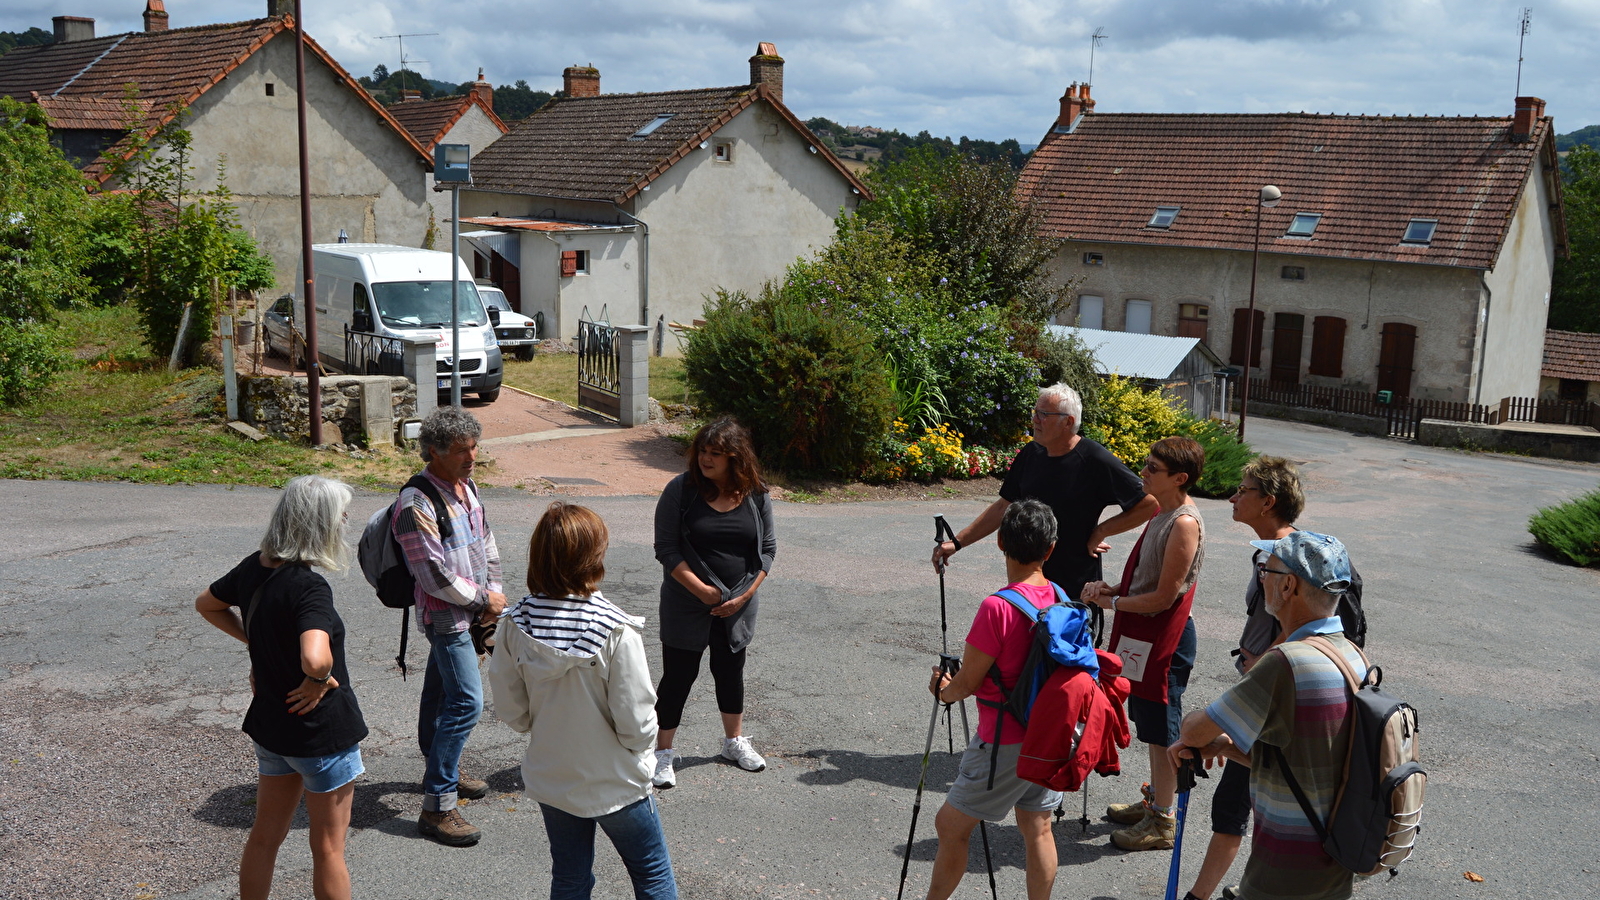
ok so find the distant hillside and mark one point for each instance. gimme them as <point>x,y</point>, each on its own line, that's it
<point>33,37</point>
<point>868,144</point>
<point>1589,136</point>
<point>511,101</point>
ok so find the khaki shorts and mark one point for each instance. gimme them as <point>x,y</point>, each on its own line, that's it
<point>971,795</point>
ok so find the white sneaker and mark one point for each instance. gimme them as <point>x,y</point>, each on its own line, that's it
<point>739,750</point>
<point>664,777</point>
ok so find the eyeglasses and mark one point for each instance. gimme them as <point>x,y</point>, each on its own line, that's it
<point>1154,469</point>
<point>1041,414</point>
<point>1241,489</point>
<point>1262,570</point>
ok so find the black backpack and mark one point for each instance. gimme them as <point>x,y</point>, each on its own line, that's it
<point>1377,813</point>
<point>383,562</point>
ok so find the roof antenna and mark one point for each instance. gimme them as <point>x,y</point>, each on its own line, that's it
<point>1527,19</point>
<point>403,60</point>
<point>1094,41</point>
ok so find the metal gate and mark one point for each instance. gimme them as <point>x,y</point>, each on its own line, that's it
<point>599,366</point>
<point>372,354</point>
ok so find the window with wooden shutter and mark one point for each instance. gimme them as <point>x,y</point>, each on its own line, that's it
<point>1193,319</point>
<point>1327,347</point>
<point>1241,334</point>
<point>1395,356</point>
<point>569,263</point>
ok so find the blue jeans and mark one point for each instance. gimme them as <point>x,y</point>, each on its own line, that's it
<point>452,700</point>
<point>635,830</point>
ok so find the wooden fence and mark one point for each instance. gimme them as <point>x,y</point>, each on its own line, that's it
<point>1403,413</point>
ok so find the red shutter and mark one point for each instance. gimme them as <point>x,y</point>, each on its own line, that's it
<point>1399,342</point>
<point>569,263</point>
<point>1236,357</point>
<point>1327,346</point>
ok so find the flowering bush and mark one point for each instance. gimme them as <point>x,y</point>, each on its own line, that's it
<point>1128,419</point>
<point>937,452</point>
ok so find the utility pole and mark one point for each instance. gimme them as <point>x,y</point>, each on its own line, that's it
<point>308,290</point>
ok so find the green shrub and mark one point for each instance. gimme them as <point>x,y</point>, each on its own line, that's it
<point>1225,456</point>
<point>1129,418</point>
<point>32,354</point>
<point>1066,359</point>
<point>1570,530</point>
<point>809,384</point>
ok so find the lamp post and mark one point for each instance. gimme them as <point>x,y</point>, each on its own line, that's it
<point>452,169</point>
<point>1270,195</point>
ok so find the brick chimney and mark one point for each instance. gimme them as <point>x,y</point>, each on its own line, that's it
<point>483,90</point>
<point>280,8</point>
<point>1529,111</point>
<point>155,15</point>
<point>580,81</point>
<point>73,28</point>
<point>406,94</point>
<point>766,67</point>
<point>1074,103</point>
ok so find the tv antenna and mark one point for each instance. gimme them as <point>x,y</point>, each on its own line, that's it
<point>1094,41</point>
<point>401,38</point>
<point>1527,19</point>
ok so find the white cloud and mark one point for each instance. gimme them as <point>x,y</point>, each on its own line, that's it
<point>971,67</point>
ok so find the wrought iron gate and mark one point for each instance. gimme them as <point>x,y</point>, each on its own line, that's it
<point>599,366</point>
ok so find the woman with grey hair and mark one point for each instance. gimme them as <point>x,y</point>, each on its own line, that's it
<point>303,716</point>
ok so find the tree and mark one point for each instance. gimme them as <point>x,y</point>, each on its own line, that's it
<point>516,102</point>
<point>1575,291</point>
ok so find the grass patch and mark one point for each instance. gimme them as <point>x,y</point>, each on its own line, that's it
<point>555,375</point>
<point>120,416</point>
<point>1571,530</point>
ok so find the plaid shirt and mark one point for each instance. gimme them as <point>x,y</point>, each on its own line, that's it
<point>454,578</point>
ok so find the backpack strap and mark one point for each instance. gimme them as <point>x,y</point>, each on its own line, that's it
<point>1300,795</point>
<point>1015,598</point>
<point>1321,644</point>
<point>441,513</point>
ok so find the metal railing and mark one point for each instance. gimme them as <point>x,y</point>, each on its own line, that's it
<point>366,353</point>
<point>599,366</point>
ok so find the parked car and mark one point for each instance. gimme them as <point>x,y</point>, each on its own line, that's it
<point>278,331</point>
<point>515,331</point>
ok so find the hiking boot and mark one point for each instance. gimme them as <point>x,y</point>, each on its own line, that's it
<point>664,777</point>
<point>1155,832</point>
<point>471,788</point>
<point>448,828</point>
<point>1131,813</point>
<point>739,751</point>
<point>1231,892</point>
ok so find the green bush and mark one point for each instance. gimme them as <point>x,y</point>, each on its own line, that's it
<point>1570,530</point>
<point>809,384</point>
<point>31,355</point>
<point>1066,359</point>
<point>1225,456</point>
<point>1129,418</point>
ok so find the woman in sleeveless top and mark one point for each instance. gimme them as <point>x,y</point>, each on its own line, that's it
<point>1154,635</point>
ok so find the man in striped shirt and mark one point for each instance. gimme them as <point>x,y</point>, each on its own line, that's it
<point>1296,699</point>
<point>458,580</point>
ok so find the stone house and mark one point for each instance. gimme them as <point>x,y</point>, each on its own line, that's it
<point>1408,253</point>
<point>237,83</point>
<point>464,119</point>
<point>642,205</point>
<point>1571,368</point>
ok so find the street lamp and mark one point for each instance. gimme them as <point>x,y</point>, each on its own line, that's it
<point>452,168</point>
<point>1270,195</point>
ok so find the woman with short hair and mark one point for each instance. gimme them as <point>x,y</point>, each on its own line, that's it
<point>569,671</point>
<point>303,716</point>
<point>715,542</point>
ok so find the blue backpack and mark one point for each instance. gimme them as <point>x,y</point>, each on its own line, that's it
<point>1062,636</point>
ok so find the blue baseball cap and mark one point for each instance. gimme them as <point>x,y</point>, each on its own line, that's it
<point>1318,558</point>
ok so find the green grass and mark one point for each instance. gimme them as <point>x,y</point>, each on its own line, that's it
<point>120,416</point>
<point>555,375</point>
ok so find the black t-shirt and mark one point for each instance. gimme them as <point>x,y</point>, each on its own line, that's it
<point>297,600</point>
<point>726,541</point>
<point>1077,486</point>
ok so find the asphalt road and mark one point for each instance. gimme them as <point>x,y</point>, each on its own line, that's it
<point>126,775</point>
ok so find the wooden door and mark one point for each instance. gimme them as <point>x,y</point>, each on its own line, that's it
<point>1395,355</point>
<point>1288,338</point>
<point>1241,334</point>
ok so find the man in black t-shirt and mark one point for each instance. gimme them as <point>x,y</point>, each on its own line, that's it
<point>1077,478</point>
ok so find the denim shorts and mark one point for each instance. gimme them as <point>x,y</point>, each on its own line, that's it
<point>320,774</point>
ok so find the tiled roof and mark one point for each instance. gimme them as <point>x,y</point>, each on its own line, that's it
<point>429,120</point>
<point>83,84</point>
<point>1572,354</point>
<point>1367,175</point>
<point>583,147</point>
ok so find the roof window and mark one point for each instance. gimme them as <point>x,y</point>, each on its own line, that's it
<point>651,126</point>
<point>1304,225</point>
<point>1420,231</point>
<point>1164,217</point>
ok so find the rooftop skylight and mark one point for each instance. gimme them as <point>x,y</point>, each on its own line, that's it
<point>1164,217</point>
<point>1304,225</point>
<point>1420,231</point>
<point>651,126</point>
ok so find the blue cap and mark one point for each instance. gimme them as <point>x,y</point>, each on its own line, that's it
<point>1318,558</point>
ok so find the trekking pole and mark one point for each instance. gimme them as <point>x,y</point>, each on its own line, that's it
<point>951,665</point>
<point>1187,772</point>
<point>983,827</point>
<point>941,533</point>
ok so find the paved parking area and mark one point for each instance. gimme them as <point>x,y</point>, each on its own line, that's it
<point>126,775</point>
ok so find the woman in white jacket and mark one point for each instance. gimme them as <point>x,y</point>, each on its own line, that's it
<point>569,670</point>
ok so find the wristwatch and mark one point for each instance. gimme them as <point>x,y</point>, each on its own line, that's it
<point>1114,599</point>
<point>322,680</point>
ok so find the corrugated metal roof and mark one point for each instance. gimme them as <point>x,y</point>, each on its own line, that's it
<point>537,224</point>
<point>1153,356</point>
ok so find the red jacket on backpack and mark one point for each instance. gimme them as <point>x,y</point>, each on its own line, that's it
<point>1053,753</point>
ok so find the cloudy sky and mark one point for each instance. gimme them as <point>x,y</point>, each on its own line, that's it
<point>963,67</point>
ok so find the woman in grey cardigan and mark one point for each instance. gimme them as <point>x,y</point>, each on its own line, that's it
<point>715,542</point>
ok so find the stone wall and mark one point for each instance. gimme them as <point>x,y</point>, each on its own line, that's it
<point>1553,442</point>
<point>280,406</point>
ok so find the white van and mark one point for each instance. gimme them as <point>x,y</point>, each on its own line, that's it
<point>403,292</point>
<point>517,334</point>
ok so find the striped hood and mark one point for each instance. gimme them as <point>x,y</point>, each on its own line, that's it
<point>577,627</point>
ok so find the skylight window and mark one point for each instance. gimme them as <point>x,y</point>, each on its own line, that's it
<point>651,126</point>
<point>1164,217</point>
<point>1304,225</point>
<point>1420,231</point>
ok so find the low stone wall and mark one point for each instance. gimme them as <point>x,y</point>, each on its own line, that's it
<point>1583,446</point>
<point>280,406</point>
<point>1343,421</point>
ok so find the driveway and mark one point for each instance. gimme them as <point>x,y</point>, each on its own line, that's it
<point>127,777</point>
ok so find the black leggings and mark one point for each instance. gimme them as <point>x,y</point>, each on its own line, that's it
<point>679,669</point>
